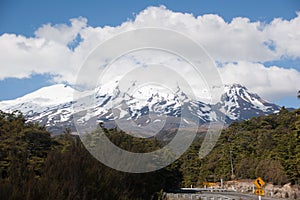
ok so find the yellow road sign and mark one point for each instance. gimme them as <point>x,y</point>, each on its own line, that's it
<point>260,192</point>
<point>259,183</point>
<point>209,184</point>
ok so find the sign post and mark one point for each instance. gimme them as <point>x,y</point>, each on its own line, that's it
<point>259,183</point>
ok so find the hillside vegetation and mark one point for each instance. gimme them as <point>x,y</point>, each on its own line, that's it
<point>34,165</point>
<point>266,146</point>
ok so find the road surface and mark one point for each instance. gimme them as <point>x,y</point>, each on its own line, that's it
<point>215,196</point>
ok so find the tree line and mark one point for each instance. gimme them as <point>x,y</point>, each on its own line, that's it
<point>35,165</point>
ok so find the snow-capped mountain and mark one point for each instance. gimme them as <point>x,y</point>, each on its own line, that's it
<point>50,106</point>
<point>239,104</point>
<point>54,106</point>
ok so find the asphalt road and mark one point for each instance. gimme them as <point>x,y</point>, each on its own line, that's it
<point>216,196</point>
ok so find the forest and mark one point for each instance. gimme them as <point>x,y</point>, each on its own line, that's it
<point>36,165</point>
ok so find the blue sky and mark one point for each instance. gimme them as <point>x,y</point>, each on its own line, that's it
<point>26,17</point>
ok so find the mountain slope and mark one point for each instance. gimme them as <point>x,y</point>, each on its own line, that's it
<point>53,106</point>
<point>239,104</point>
<point>50,106</point>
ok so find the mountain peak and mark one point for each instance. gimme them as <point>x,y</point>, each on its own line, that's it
<point>238,103</point>
<point>235,85</point>
<point>53,94</point>
<point>52,105</point>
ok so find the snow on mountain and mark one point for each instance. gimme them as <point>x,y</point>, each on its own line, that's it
<point>54,106</point>
<point>40,100</point>
<point>239,104</point>
<point>49,105</point>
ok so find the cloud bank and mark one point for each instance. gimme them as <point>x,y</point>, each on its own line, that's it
<point>240,47</point>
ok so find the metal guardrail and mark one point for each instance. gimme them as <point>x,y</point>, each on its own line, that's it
<point>207,190</point>
<point>207,194</point>
<point>182,196</point>
<point>200,193</point>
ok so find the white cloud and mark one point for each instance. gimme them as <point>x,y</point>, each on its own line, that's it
<point>22,56</point>
<point>271,83</point>
<point>238,40</point>
<point>285,35</point>
<point>62,33</point>
<point>242,41</point>
<point>47,52</point>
